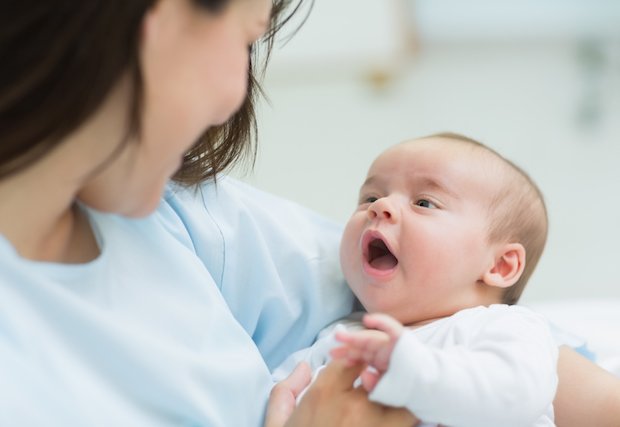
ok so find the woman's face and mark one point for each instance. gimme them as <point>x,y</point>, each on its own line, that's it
<point>195,70</point>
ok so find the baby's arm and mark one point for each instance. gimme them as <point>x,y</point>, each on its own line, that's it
<point>496,366</point>
<point>372,346</point>
<point>495,369</point>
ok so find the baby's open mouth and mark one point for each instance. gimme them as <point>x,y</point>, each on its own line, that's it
<point>379,256</point>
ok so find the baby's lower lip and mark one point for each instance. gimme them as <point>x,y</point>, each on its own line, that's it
<point>378,274</point>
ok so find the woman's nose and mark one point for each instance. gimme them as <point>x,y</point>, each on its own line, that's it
<point>383,209</point>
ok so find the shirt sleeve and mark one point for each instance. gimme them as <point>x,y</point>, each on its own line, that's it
<point>502,373</point>
<point>275,262</point>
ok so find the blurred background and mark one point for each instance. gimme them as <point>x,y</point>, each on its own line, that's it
<point>537,80</point>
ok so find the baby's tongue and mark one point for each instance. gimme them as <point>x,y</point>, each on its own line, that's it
<point>384,262</point>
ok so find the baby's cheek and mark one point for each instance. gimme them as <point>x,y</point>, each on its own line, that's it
<point>349,252</point>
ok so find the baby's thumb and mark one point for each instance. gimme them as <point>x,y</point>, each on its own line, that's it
<point>370,378</point>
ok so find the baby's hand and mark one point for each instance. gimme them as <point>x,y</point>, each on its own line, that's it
<point>372,346</point>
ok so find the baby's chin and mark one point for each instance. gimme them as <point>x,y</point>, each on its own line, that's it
<point>406,317</point>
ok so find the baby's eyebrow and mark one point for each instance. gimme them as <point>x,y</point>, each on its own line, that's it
<point>370,180</point>
<point>421,181</point>
<point>437,185</point>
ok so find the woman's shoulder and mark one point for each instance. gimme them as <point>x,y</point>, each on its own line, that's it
<point>229,196</point>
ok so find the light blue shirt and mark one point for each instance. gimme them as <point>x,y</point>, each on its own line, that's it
<point>179,320</point>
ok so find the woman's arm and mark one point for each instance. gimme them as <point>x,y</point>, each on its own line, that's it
<point>331,401</point>
<point>587,394</point>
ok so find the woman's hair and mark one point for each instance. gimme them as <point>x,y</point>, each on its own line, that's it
<point>60,59</point>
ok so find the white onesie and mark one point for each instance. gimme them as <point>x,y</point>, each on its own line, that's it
<point>483,366</point>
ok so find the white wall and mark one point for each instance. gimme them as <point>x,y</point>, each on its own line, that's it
<point>530,100</point>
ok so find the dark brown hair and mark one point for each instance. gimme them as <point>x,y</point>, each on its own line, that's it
<point>60,59</point>
<point>517,213</point>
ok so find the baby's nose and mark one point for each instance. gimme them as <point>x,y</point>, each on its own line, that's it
<point>382,209</point>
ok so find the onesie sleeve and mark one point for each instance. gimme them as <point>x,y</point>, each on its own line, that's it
<point>498,369</point>
<point>274,261</point>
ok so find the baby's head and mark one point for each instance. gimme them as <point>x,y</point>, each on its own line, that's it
<point>443,223</point>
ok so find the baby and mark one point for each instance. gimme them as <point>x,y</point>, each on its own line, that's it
<point>445,236</point>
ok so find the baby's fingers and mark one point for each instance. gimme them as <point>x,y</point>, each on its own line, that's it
<point>338,352</point>
<point>366,341</point>
<point>385,323</point>
<point>350,355</point>
<point>370,378</point>
<point>362,339</point>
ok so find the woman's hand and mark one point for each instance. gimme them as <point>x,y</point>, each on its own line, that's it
<point>283,399</point>
<point>332,401</point>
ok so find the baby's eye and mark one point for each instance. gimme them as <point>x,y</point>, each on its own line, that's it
<point>367,200</point>
<point>425,203</point>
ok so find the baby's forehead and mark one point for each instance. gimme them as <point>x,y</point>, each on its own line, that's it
<point>437,149</point>
<point>436,158</point>
<point>441,143</point>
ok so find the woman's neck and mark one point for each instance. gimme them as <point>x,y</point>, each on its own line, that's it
<point>40,218</point>
<point>38,211</point>
<point>71,241</point>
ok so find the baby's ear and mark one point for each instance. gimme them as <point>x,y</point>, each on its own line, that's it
<point>508,266</point>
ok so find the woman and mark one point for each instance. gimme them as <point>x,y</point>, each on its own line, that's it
<point>121,306</point>
<point>118,305</point>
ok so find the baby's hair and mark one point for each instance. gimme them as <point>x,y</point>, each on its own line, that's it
<point>517,212</point>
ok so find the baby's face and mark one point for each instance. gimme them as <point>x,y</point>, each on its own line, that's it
<point>416,247</point>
